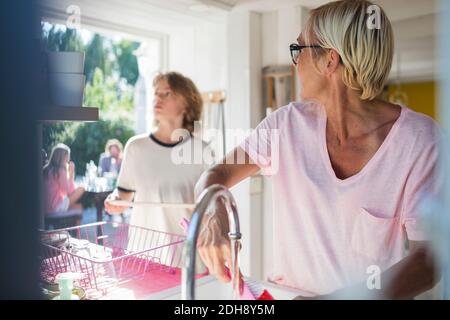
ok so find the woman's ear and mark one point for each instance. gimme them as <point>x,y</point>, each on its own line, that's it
<point>333,60</point>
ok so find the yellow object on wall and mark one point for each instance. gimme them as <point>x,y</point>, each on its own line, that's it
<point>421,96</point>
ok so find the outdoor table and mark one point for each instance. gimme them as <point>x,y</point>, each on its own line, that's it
<point>99,189</point>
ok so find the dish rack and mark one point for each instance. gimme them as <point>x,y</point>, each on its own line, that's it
<point>107,254</point>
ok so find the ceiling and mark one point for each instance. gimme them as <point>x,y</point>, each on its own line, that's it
<point>395,8</point>
<point>414,23</point>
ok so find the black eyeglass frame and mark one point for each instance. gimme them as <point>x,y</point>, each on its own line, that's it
<point>297,47</point>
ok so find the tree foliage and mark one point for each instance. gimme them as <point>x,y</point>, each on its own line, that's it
<point>111,71</point>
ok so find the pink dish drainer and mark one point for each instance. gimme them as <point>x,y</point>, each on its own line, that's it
<point>107,255</point>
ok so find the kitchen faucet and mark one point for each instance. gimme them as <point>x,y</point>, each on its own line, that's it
<point>207,198</point>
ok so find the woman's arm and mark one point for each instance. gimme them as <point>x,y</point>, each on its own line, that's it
<point>412,276</point>
<point>65,181</point>
<point>406,279</point>
<point>235,167</point>
<point>71,181</point>
<point>213,244</point>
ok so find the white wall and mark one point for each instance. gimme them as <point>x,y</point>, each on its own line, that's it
<point>280,28</point>
<point>211,56</point>
<point>241,26</point>
<point>199,51</point>
<point>255,40</point>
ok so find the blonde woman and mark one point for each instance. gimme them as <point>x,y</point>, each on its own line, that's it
<point>349,170</point>
<point>151,169</point>
<point>60,191</point>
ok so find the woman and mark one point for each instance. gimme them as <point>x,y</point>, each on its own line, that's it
<point>60,191</point>
<point>152,170</point>
<point>111,160</point>
<point>348,169</point>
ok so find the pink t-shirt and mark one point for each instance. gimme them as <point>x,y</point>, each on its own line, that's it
<point>56,189</point>
<point>328,231</point>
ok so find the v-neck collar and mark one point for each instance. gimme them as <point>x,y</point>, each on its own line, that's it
<point>373,159</point>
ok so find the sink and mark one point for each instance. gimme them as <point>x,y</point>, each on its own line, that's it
<point>209,288</point>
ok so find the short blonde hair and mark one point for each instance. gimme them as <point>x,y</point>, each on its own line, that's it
<point>185,87</point>
<point>366,53</point>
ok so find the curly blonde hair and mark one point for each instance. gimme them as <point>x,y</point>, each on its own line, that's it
<point>186,88</point>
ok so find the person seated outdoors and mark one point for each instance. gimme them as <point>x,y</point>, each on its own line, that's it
<point>111,160</point>
<point>61,196</point>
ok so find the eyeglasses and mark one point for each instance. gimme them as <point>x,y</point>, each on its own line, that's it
<point>296,49</point>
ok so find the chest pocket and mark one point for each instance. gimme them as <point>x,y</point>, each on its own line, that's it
<point>374,237</point>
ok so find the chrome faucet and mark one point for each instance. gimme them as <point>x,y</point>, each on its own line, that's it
<point>205,200</point>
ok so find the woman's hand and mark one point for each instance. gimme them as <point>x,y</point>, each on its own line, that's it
<point>111,208</point>
<point>213,241</point>
<point>215,258</point>
<point>214,244</point>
